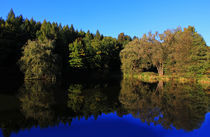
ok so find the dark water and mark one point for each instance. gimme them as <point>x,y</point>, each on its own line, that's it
<point>102,107</point>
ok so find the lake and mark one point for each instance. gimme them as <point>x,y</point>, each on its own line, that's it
<point>103,106</point>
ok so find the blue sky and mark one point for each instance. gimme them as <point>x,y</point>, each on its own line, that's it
<point>110,17</point>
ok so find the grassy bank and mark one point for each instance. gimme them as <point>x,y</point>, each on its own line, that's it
<point>154,77</point>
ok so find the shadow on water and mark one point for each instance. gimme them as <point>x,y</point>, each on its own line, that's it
<point>47,104</point>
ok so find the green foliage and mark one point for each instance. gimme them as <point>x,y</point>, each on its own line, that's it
<point>143,54</point>
<point>94,52</point>
<point>47,31</point>
<point>39,60</point>
<point>176,51</point>
<point>78,50</point>
<point>14,33</point>
<point>76,54</point>
<point>182,52</point>
<point>123,39</point>
<point>188,53</point>
<point>98,35</point>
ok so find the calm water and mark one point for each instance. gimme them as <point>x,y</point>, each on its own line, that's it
<point>103,107</point>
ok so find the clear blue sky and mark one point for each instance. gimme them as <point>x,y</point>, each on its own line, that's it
<point>110,17</point>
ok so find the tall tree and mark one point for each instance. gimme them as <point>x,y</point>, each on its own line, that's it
<point>76,54</point>
<point>39,60</point>
<point>182,52</point>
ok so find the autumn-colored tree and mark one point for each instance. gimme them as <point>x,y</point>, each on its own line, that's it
<point>39,60</point>
<point>182,52</point>
<point>143,54</point>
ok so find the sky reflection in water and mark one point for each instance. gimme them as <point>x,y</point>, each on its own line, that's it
<point>112,125</point>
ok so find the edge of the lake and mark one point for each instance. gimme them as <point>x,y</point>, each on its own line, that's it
<point>151,77</point>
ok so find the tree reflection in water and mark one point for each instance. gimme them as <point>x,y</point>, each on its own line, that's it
<point>45,104</point>
<point>86,101</point>
<point>170,104</point>
<point>36,98</point>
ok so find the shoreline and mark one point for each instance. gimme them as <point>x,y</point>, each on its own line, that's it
<point>153,77</point>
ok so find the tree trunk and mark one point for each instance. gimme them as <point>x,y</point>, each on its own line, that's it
<point>159,86</point>
<point>160,70</point>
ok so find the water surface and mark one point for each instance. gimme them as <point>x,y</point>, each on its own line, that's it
<point>106,106</point>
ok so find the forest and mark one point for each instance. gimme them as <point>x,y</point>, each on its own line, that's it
<point>45,50</point>
<point>49,50</point>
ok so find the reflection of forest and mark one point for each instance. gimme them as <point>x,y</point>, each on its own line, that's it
<point>47,104</point>
<point>91,101</point>
<point>36,100</point>
<point>37,108</point>
<point>181,105</point>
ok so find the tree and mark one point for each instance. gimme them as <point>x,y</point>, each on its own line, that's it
<point>178,52</point>
<point>123,39</point>
<point>200,53</point>
<point>98,35</point>
<point>94,52</point>
<point>11,15</point>
<point>48,31</point>
<point>110,50</point>
<point>76,54</point>
<point>39,60</point>
<point>143,54</point>
<point>187,52</point>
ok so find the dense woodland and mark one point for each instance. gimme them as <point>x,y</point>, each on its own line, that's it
<point>49,50</point>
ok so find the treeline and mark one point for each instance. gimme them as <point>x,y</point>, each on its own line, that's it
<point>175,52</point>
<point>47,50</point>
